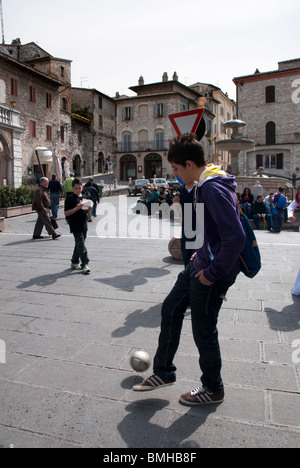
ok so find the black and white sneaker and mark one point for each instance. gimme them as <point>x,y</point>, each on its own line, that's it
<point>152,383</point>
<point>201,396</point>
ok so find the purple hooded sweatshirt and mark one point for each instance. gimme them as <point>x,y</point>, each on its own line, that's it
<point>224,237</point>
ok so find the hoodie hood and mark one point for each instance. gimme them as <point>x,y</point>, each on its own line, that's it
<point>220,176</point>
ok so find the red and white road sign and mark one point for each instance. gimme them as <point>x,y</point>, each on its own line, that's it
<point>186,122</point>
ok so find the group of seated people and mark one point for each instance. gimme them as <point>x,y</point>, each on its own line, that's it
<point>158,195</point>
<point>262,209</point>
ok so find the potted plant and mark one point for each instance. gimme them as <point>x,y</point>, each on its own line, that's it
<point>16,201</point>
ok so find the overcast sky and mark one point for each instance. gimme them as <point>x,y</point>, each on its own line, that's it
<point>113,42</point>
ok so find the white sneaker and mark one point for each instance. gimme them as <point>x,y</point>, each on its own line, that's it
<point>86,270</point>
<point>75,266</point>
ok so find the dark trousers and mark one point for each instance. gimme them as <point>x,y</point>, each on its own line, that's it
<point>43,220</point>
<point>80,251</point>
<point>205,303</point>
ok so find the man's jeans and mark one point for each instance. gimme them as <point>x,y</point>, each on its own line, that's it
<point>205,303</point>
<point>277,220</point>
<point>80,252</point>
<point>54,197</point>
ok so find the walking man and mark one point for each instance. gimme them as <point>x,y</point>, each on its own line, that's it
<point>41,204</point>
<point>206,280</point>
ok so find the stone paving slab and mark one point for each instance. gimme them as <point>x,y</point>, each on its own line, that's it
<point>67,379</point>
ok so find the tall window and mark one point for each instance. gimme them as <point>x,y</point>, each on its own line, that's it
<point>270,133</point>
<point>159,140</point>
<point>32,96</point>
<point>62,133</point>
<point>14,87</point>
<point>49,132</point>
<point>270,94</point>
<point>48,101</point>
<point>64,104</point>
<point>126,142</point>
<point>32,129</point>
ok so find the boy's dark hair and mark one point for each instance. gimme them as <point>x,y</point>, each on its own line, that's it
<point>76,182</point>
<point>186,148</point>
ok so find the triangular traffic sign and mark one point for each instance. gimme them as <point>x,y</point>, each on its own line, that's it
<point>186,122</point>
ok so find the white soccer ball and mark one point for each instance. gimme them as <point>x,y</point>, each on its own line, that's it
<point>140,361</point>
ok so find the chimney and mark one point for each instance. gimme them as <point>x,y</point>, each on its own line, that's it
<point>165,77</point>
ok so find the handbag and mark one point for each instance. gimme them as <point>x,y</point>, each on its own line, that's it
<point>250,256</point>
<point>53,222</point>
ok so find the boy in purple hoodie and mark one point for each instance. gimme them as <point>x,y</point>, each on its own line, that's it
<point>204,283</point>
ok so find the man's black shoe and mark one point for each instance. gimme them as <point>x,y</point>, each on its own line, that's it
<point>56,236</point>
<point>37,237</point>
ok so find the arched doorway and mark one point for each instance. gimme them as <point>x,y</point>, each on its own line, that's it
<point>153,166</point>
<point>6,175</point>
<point>100,162</point>
<point>128,167</point>
<point>77,165</point>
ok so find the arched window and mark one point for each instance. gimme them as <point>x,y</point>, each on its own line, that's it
<point>270,133</point>
<point>64,104</point>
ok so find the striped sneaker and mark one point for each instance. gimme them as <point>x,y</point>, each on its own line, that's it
<point>201,396</point>
<point>152,383</point>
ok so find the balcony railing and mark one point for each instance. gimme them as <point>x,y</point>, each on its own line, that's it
<point>9,117</point>
<point>5,115</point>
<point>140,146</point>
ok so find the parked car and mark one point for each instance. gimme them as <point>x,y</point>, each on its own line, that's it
<point>156,183</point>
<point>173,183</point>
<point>137,185</point>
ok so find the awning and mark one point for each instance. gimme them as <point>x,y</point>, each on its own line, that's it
<point>45,155</point>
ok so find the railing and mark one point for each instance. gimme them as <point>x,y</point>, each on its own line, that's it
<point>136,146</point>
<point>5,115</point>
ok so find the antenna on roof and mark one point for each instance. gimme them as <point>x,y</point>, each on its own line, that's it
<point>2,22</point>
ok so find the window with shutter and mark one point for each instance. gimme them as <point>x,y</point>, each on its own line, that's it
<point>279,161</point>
<point>259,161</point>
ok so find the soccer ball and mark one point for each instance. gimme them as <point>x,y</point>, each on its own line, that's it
<point>140,361</point>
<point>175,248</point>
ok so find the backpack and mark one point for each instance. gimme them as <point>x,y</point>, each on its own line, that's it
<point>281,202</point>
<point>250,256</point>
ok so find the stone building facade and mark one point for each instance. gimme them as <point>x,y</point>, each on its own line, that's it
<point>269,103</point>
<point>101,140</point>
<point>35,87</point>
<point>144,129</point>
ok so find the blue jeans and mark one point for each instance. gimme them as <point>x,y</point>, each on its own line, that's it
<point>277,220</point>
<point>268,220</point>
<point>80,251</point>
<point>205,303</point>
<point>54,197</point>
